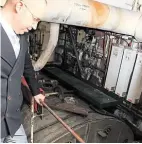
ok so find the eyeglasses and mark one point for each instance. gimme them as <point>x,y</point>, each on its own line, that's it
<point>34,18</point>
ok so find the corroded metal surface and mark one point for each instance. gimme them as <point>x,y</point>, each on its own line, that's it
<point>91,128</point>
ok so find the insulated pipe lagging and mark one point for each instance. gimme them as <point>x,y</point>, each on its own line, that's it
<point>93,14</point>
<point>87,13</point>
<point>47,52</point>
<point>138,31</point>
<point>124,22</point>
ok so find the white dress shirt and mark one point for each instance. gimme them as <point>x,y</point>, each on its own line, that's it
<point>15,41</point>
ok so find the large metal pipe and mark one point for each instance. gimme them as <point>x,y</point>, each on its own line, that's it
<point>93,14</point>
<point>50,47</point>
<point>88,13</point>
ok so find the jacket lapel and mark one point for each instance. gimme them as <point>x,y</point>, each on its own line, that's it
<point>23,48</point>
<point>7,51</point>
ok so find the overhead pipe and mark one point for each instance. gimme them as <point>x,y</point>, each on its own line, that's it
<point>47,52</point>
<point>91,14</point>
<point>87,13</point>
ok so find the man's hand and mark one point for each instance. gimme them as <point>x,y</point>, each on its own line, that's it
<point>38,98</point>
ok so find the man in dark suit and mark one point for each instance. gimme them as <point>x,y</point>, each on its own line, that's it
<point>17,17</point>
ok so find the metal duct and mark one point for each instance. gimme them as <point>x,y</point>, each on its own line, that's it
<point>93,14</point>
<point>47,52</point>
<point>87,13</point>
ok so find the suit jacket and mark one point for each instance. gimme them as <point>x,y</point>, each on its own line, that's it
<point>12,70</point>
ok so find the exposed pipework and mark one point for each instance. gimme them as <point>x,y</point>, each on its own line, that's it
<point>93,14</point>
<point>47,52</point>
<point>87,13</point>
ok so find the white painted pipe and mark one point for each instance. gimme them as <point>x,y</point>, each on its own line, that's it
<point>47,52</point>
<point>87,13</point>
<point>93,14</point>
<point>124,22</point>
